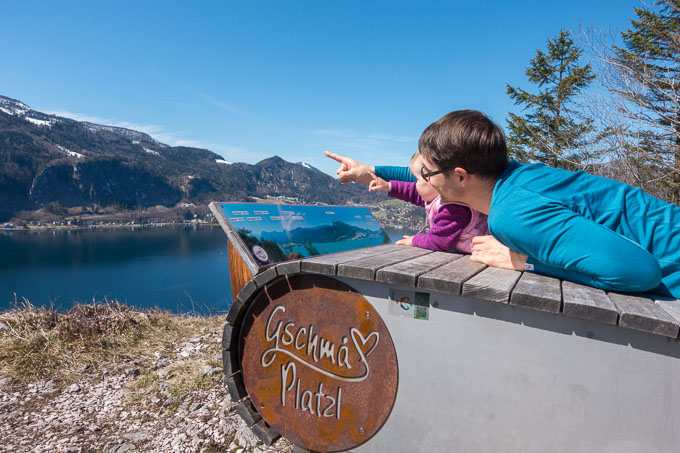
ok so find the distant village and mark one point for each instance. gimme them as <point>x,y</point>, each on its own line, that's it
<point>392,214</point>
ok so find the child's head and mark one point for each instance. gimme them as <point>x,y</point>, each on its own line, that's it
<point>425,190</point>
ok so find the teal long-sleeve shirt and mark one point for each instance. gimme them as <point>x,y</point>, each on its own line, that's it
<point>395,174</point>
<point>588,229</point>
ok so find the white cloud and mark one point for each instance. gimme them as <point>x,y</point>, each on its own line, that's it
<point>345,138</point>
<point>224,105</point>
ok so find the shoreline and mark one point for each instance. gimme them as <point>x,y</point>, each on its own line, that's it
<point>48,227</point>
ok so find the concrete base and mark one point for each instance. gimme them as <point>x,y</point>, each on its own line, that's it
<point>479,376</point>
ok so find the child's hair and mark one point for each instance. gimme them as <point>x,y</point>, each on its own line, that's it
<point>413,158</point>
<point>466,139</point>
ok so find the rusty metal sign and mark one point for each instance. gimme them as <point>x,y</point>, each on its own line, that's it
<point>318,362</point>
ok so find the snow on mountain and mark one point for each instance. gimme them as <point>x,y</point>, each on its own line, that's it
<point>12,106</point>
<point>306,165</point>
<point>150,151</point>
<point>134,136</point>
<point>38,122</point>
<point>222,161</point>
<point>69,152</point>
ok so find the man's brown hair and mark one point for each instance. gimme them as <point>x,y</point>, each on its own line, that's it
<point>466,139</point>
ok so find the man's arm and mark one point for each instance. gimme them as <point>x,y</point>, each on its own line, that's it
<point>563,244</point>
<point>395,174</point>
<point>352,170</point>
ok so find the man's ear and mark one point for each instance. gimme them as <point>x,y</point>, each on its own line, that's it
<point>462,176</point>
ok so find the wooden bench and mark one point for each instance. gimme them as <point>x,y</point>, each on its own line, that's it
<point>494,360</point>
<point>507,361</point>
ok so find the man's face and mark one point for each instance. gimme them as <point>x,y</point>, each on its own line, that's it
<point>444,183</point>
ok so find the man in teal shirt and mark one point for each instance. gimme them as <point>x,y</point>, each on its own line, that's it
<point>569,225</point>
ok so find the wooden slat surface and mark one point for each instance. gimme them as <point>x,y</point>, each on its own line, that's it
<point>450,277</point>
<point>670,306</point>
<point>406,273</point>
<point>492,284</point>
<point>537,292</point>
<point>641,313</point>
<point>328,264</point>
<point>265,277</point>
<point>365,268</point>
<point>586,302</point>
<point>290,267</point>
<point>455,274</point>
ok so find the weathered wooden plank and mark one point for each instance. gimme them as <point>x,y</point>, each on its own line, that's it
<point>248,412</point>
<point>492,284</point>
<point>537,292</point>
<point>327,264</point>
<point>230,363</point>
<point>406,273</point>
<point>641,313</point>
<point>290,267</point>
<point>229,336</point>
<point>236,312</point>
<point>265,277</point>
<point>236,388</point>
<point>247,292</point>
<point>585,302</point>
<point>239,274</point>
<point>265,433</point>
<point>365,268</point>
<point>449,278</point>
<point>671,306</point>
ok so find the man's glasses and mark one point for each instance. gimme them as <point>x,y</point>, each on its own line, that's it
<point>427,175</point>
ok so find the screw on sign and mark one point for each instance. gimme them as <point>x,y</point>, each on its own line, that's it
<point>318,362</point>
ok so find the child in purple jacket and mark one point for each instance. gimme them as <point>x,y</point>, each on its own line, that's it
<point>452,225</point>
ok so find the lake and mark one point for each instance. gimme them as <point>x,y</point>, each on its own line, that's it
<point>182,269</point>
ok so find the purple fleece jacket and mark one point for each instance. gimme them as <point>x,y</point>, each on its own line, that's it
<point>446,224</point>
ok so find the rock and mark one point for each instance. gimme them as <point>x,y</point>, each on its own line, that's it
<point>73,388</point>
<point>46,387</point>
<point>4,327</point>
<point>194,406</point>
<point>170,401</point>
<point>209,371</point>
<point>131,372</point>
<point>136,436</point>
<point>119,447</point>
<point>164,374</point>
<point>161,363</point>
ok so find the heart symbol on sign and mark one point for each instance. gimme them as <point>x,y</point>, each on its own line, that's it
<point>357,335</point>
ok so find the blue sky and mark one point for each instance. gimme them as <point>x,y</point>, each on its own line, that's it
<point>253,79</point>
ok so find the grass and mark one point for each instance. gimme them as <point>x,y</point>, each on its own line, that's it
<point>44,343</point>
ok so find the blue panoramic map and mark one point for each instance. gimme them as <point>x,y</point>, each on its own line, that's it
<point>276,233</point>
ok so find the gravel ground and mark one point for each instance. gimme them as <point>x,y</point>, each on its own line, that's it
<point>137,405</point>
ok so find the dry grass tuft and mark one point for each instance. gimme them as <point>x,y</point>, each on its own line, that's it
<point>41,342</point>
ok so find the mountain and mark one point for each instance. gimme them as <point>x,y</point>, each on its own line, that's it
<point>338,231</point>
<point>47,159</point>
